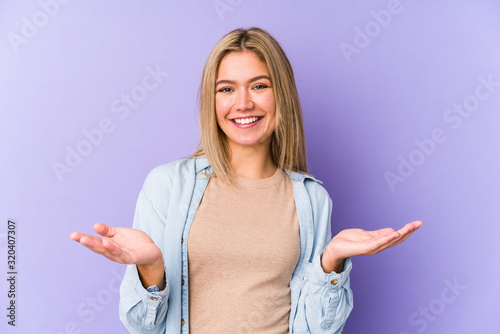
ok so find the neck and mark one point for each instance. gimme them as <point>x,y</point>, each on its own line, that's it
<point>253,162</point>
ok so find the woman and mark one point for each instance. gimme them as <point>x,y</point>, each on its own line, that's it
<point>243,212</point>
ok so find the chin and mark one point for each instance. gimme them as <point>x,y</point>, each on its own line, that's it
<point>250,142</point>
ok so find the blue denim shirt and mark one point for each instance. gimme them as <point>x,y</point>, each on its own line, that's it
<point>167,203</point>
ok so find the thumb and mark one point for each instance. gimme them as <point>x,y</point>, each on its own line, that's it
<point>105,230</point>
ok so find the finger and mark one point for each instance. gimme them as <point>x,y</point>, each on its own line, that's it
<point>408,230</point>
<point>413,226</point>
<point>93,243</point>
<point>404,233</point>
<point>382,232</point>
<point>378,244</point>
<point>117,253</point>
<point>102,246</point>
<point>389,232</point>
<point>405,236</point>
<point>417,224</point>
<point>104,230</point>
<point>110,246</point>
<point>75,236</point>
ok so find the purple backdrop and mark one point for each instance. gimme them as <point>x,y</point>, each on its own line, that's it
<point>401,102</point>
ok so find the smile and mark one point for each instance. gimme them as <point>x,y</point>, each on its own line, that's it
<point>246,120</point>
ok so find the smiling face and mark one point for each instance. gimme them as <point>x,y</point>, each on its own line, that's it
<point>244,101</point>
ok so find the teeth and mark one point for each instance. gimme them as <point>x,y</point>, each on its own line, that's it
<point>246,120</point>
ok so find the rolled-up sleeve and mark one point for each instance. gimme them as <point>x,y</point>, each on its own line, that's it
<point>329,300</point>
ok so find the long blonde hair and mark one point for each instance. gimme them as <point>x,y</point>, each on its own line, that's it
<point>287,143</point>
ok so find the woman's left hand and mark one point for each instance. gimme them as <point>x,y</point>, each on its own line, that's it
<point>356,242</point>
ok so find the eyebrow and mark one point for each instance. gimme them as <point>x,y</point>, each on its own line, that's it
<point>251,80</point>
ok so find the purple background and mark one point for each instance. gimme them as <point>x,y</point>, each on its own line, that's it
<point>362,112</point>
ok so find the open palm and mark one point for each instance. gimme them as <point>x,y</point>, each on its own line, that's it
<point>356,242</point>
<point>120,244</point>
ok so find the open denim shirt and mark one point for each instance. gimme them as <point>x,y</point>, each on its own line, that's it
<point>166,206</point>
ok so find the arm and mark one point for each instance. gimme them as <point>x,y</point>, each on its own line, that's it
<point>326,298</point>
<point>144,291</point>
<point>329,298</point>
<point>134,247</point>
<point>143,307</point>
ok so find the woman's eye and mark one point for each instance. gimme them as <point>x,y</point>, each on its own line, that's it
<point>225,89</point>
<point>260,86</point>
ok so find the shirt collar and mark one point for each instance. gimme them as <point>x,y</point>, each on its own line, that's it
<point>202,163</point>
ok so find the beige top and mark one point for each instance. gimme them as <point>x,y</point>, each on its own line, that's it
<point>242,250</point>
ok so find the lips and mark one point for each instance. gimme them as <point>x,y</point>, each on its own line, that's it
<point>246,122</point>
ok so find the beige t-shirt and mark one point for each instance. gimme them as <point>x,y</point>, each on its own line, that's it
<point>242,250</point>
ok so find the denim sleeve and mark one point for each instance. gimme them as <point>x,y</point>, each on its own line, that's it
<point>329,298</point>
<point>325,300</point>
<point>144,310</point>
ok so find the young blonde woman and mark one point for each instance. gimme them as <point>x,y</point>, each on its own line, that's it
<point>236,238</point>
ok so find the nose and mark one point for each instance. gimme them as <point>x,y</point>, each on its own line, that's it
<point>244,100</point>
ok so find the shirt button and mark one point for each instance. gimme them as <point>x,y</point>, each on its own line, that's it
<point>154,299</point>
<point>182,240</point>
<point>334,281</point>
<point>182,281</point>
<point>182,322</point>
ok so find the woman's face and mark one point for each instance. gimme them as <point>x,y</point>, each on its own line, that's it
<point>244,101</point>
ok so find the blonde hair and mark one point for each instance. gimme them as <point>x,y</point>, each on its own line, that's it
<point>287,143</point>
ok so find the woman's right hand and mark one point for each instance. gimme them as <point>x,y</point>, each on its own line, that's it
<point>120,244</point>
<point>129,246</point>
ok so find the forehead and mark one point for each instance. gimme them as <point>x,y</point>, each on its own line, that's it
<point>241,64</point>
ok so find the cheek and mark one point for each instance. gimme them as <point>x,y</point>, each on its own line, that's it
<point>221,107</point>
<point>271,106</point>
<point>269,102</point>
<point>271,109</point>
<point>219,110</point>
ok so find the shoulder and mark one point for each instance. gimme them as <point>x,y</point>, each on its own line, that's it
<point>318,205</point>
<point>317,193</point>
<point>166,173</point>
<point>320,198</point>
<point>162,179</point>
